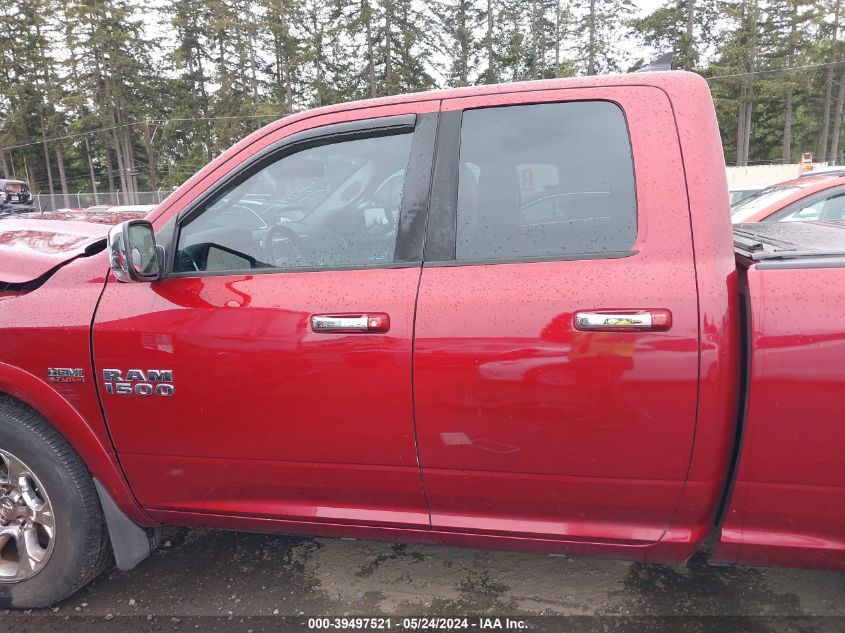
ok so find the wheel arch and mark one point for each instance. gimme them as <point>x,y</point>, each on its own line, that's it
<point>95,453</point>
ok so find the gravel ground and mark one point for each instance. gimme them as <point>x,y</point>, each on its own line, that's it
<point>215,580</point>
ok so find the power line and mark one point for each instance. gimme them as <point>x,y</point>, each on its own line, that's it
<point>219,118</point>
<point>156,121</point>
<point>62,138</point>
<point>773,70</point>
<point>276,116</point>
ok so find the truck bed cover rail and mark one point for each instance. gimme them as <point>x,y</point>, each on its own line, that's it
<point>814,243</point>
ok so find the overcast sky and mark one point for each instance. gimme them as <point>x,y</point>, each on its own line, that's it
<point>647,5</point>
<point>152,27</point>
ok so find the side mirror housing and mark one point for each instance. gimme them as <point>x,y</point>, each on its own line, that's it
<point>133,253</point>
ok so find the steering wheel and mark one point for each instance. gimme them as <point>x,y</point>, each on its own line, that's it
<point>284,208</point>
<point>186,262</point>
<point>277,230</point>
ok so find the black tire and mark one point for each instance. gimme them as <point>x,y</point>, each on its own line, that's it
<point>81,545</point>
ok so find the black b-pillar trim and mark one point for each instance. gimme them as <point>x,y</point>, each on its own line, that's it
<point>442,223</point>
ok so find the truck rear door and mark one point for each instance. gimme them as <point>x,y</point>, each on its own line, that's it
<point>556,346</point>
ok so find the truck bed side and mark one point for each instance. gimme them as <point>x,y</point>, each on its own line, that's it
<point>787,506</point>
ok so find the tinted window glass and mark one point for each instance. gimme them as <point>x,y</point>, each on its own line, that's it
<point>750,205</point>
<point>545,180</point>
<point>816,208</point>
<point>834,208</point>
<point>330,206</point>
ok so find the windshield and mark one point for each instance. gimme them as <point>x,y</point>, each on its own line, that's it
<point>746,207</point>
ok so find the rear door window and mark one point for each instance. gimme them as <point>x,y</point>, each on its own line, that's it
<point>545,181</point>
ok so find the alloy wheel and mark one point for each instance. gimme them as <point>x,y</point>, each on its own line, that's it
<point>27,522</point>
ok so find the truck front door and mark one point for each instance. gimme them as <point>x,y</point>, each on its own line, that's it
<point>269,373</point>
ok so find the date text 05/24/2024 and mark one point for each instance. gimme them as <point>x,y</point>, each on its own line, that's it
<point>417,624</point>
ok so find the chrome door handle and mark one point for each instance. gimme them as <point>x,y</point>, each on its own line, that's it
<point>623,320</point>
<point>377,322</point>
<point>333,323</point>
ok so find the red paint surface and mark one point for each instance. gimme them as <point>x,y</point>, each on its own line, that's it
<point>788,507</point>
<point>475,414</point>
<point>50,327</point>
<point>528,426</point>
<point>31,247</point>
<point>265,408</point>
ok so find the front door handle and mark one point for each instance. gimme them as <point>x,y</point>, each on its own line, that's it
<point>623,320</point>
<point>374,322</point>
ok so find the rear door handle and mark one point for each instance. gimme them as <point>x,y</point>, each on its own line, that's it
<point>623,320</point>
<point>374,322</point>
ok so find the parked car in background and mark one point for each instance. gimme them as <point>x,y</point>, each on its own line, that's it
<point>302,340</point>
<point>739,194</point>
<point>143,209</point>
<point>818,197</point>
<point>109,218</point>
<point>15,196</point>
<point>122,208</point>
<point>833,170</point>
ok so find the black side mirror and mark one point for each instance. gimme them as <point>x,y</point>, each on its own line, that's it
<point>133,253</point>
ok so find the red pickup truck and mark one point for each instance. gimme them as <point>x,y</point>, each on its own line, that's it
<point>508,316</point>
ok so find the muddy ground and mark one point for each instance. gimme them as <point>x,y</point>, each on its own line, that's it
<point>225,581</point>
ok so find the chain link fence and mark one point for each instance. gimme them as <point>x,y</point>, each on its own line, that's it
<point>44,202</point>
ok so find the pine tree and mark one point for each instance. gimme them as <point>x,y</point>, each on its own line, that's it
<point>87,77</point>
<point>456,21</point>
<point>115,67</point>
<point>782,47</point>
<point>737,56</point>
<point>25,70</point>
<point>596,25</point>
<point>682,27</point>
<point>510,37</point>
<point>833,56</point>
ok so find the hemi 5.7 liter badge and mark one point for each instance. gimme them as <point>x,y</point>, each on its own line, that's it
<point>65,374</point>
<point>137,382</point>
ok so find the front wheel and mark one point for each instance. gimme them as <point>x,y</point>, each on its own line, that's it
<point>53,538</point>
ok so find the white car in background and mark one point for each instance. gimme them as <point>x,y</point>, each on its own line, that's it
<point>124,208</point>
<point>738,194</point>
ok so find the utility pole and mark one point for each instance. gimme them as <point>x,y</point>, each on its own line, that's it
<point>46,161</point>
<point>91,170</point>
<point>150,157</point>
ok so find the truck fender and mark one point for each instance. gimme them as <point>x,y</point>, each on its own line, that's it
<point>100,459</point>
